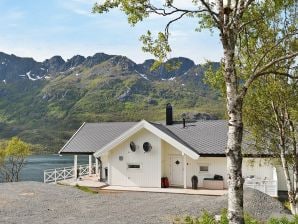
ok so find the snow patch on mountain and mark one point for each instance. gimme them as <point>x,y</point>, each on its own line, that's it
<point>172,78</point>
<point>143,75</point>
<point>30,77</point>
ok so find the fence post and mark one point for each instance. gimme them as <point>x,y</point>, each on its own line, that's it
<point>55,176</point>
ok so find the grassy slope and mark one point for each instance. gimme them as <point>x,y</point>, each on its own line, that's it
<point>48,112</point>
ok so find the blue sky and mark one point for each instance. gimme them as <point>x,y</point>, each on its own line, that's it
<point>44,28</point>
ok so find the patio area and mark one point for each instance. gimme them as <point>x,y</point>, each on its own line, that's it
<point>92,182</point>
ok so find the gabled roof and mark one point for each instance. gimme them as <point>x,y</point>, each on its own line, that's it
<point>164,135</point>
<point>204,138</point>
<point>93,136</point>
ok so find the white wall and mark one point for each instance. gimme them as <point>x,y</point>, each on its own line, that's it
<point>150,172</point>
<point>260,168</point>
<point>217,165</point>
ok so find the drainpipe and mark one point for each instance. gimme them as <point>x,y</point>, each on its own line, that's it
<point>100,169</point>
<point>96,166</point>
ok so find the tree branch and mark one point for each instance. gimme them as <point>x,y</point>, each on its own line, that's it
<point>263,72</point>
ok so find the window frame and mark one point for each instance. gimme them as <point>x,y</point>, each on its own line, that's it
<point>134,164</point>
<point>203,165</point>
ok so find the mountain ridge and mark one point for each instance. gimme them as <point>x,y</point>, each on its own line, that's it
<point>44,102</point>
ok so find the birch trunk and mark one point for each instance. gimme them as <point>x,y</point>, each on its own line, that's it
<point>291,193</point>
<point>235,132</point>
<point>295,166</point>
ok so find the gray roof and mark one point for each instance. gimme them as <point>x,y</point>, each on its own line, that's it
<point>93,136</point>
<point>203,137</point>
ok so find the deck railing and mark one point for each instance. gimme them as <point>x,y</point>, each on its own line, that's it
<point>54,175</point>
<point>266,186</point>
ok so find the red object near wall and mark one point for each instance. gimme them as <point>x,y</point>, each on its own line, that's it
<point>164,182</point>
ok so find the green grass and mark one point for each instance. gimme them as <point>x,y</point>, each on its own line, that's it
<point>207,218</point>
<point>85,189</point>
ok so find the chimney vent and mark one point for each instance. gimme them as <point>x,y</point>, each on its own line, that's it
<point>169,114</point>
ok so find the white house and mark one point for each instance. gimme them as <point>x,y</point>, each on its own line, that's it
<point>141,153</point>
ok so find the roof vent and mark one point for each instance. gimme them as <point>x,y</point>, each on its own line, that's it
<point>169,114</point>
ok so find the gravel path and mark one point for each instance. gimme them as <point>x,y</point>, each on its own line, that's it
<point>33,202</point>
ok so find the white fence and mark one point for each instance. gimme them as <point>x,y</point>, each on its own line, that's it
<point>54,175</point>
<point>266,186</point>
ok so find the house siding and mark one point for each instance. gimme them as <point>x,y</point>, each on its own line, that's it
<point>157,163</point>
<point>216,165</point>
<point>150,172</point>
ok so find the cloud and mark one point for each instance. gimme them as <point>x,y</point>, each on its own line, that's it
<point>80,7</point>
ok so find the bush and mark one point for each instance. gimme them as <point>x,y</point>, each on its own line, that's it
<point>207,218</point>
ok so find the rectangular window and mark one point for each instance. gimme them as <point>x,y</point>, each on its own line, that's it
<point>134,166</point>
<point>204,169</point>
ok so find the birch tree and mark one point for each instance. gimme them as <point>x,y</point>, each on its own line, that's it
<point>231,20</point>
<point>270,114</point>
<point>12,159</point>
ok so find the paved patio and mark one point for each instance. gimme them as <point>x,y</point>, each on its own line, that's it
<point>92,181</point>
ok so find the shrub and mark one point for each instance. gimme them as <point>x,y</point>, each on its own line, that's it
<point>207,218</point>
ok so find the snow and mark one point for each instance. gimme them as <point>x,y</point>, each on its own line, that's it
<point>172,79</point>
<point>4,81</point>
<point>163,79</point>
<point>183,84</point>
<point>143,75</point>
<point>42,69</point>
<point>3,63</point>
<point>31,78</point>
<point>77,74</point>
<point>47,77</point>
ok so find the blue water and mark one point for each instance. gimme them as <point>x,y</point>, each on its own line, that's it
<point>36,164</point>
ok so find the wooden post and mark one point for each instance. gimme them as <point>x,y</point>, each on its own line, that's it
<point>90,165</point>
<point>96,166</point>
<point>184,170</point>
<point>75,167</point>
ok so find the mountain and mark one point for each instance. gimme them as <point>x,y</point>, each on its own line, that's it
<point>44,102</point>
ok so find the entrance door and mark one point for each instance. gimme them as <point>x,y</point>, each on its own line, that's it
<point>176,166</point>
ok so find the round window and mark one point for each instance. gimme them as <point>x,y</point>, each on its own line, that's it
<point>147,147</point>
<point>132,146</point>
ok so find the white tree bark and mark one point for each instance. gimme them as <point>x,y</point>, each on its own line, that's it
<point>235,133</point>
<point>284,123</point>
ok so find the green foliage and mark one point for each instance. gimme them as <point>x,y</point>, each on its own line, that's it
<point>283,220</point>
<point>207,218</point>
<point>15,147</point>
<point>85,189</point>
<point>12,157</point>
<point>47,113</point>
<point>159,47</point>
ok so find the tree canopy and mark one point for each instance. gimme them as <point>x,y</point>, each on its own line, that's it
<point>12,158</point>
<point>257,38</point>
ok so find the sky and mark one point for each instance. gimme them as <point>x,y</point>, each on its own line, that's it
<point>43,28</point>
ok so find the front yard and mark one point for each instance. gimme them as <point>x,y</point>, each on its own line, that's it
<point>33,202</point>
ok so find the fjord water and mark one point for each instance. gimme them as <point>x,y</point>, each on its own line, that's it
<point>36,164</point>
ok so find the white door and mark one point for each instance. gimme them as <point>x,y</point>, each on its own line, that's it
<point>176,166</point>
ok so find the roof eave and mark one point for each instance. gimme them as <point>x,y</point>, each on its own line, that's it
<point>144,124</point>
<point>61,150</point>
